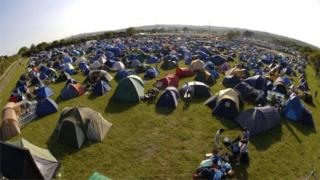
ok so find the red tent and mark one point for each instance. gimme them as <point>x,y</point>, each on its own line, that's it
<point>183,72</point>
<point>168,80</point>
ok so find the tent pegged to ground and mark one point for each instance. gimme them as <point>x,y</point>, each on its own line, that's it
<point>71,90</point>
<point>226,103</point>
<point>23,160</point>
<point>129,89</point>
<point>77,124</point>
<point>259,119</point>
<point>196,90</point>
<point>168,98</point>
<point>100,88</point>
<point>45,107</point>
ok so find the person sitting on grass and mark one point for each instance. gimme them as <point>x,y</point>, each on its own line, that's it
<point>217,137</point>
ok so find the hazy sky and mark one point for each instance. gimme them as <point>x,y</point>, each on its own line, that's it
<point>24,22</point>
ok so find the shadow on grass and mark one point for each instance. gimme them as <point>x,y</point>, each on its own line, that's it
<point>241,171</point>
<point>61,150</point>
<point>58,99</point>
<point>164,110</point>
<point>92,96</point>
<point>302,128</point>
<point>263,140</point>
<point>118,107</point>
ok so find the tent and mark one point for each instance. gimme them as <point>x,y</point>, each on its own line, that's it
<point>153,60</point>
<point>117,66</point>
<point>44,92</point>
<point>217,60</point>
<point>64,76</point>
<point>230,81</point>
<point>183,72</point>
<point>36,81</point>
<point>169,98</point>
<point>43,76</point>
<point>68,68</point>
<point>96,65</point>
<point>240,73</point>
<point>71,90</point>
<point>169,64</point>
<point>259,119</point>
<point>197,90</point>
<point>76,124</point>
<point>294,108</point>
<point>205,77</point>
<point>10,125</point>
<point>100,88</point>
<point>45,107</point>
<point>151,73</point>
<point>129,89</point>
<point>96,75</point>
<point>168,80</point>
<point>23,160</point>
<point>258,82</point>
<point>279,86</point>
<point>226,103</point>
<point>250,94</point>
<point>197,65</point>
<point>124,73</point>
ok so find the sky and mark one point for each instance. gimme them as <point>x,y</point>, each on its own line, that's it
<point>26,22</point>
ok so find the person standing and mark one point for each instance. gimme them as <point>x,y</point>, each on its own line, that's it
<point>315,94</point>
<point>217,137</point>
<point>245,134</point>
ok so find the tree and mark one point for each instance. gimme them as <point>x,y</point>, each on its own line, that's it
<point>22,51</point>
<point>130,31</point>
<point>185,29</point>
<point>231,35</point>
<point>248,34</point>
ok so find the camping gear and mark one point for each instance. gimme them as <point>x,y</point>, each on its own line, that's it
<point>195,89</point>
<point>169,98</point>
<point>226,103</point>
<point>197,65</point>
<point>129,89</point>
<point>205,77</point>
<point>151,73</point>
<point>98,176</point>
<point>259,119</point>
<point>168,80</point>
<point>71,90</point>
<point>45,107</point>
<point>183,72</point>
<point>230,81</point>
<point>100,88</point>
<point>23,160</point>
<point>10,125</point>
<point>76,124</point>
<point>44,92</point>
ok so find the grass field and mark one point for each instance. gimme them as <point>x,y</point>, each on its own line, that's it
<point>149,143</point>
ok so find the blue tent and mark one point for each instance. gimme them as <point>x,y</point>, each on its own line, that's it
<point>217,60</point>
<point>100,88</point>
<point>46,106</point>
<point>230,81</point>
<point>258,82</point>
<point>43,69</point>
<point>44,92</point>
<point>294,108</point>
<point>83,65</point>
<point>123,73</point>
<point>67,60</point>
<point>71,91</point>
<point>43,76</point>
<point>209,66</point>
<point>36,81</point>
<point>153,60</point>
<point>169,98</point>
<point>214,73</point>
<point>151,73</point>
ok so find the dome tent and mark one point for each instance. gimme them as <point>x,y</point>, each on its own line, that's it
<point>226,103</point>
<point>169,98</point>
<point>24,160</point>
<point>71,90</point>
<point>197,90</point>
<point>129,89</point>
<point>100,88</point>
<point>45,107</point>
<point>76,124</point>
<point>259,119</point>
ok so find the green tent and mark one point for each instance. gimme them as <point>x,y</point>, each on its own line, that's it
<point>76,124</point>
<point>98,176</point>
<point>23,160</point>
<point>129,89</point>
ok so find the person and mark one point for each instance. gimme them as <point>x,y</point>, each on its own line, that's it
<point>245,134</point>
<point>315,94</point>
<point>217,136</point>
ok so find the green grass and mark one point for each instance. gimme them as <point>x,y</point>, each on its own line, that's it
<point>148,144</point>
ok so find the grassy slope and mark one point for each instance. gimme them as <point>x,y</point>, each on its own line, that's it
<point>148,144</point>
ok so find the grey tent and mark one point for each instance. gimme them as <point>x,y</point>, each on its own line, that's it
<point>23,160</point>
<point>197,89</point>
<point>96,75</point>
<point>259,119</point>
<point>79,123</point>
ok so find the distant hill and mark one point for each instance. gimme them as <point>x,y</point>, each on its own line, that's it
<point>215,29</point>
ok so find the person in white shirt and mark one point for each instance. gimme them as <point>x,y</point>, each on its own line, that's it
<point>217,137</point>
